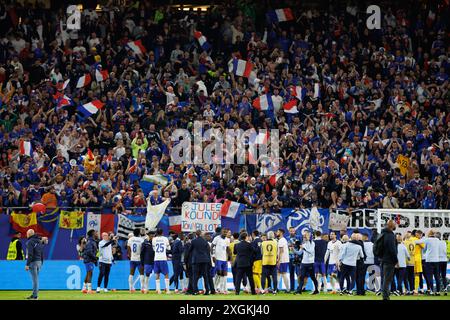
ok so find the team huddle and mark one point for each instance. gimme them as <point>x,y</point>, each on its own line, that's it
<point>265,263</point>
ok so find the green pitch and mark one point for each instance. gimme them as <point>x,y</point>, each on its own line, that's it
<point>125,295</point>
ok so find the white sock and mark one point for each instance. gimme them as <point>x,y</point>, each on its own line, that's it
<point>224,283</point>
<point>167,284</point>
<point>185,283</point>
<point>319,281</point>
<point>216,281</point>
<point>158,285</point>
<point>146,283</point>
<point>287,284</point>
<point>130,282</point>
<point>84,285</point>
<point>325,284</point>
<point>141,279</point>
<point>333,283</point>
<point>89,286</point>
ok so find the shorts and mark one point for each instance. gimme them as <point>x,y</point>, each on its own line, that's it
<point>221,266</point>
<point>161,267</point>
<point>134,265</point>
<point>89,266</point>
<point>257,267</point>
<point>418,266</point>
<point>284,267</point>
<point>332,268</point>
<point>319,267</point>
<point>148,268</point>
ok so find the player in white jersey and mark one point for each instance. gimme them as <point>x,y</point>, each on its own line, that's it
<point>160,246</point>
<point>283,258</point>
<point>333,248</point>
<point>219,252</point>
<point>134,246</point>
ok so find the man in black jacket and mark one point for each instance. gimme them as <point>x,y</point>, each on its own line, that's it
<point>187,263</point>
<point>200,259</point>
<point>388,257</point>
<point>35,258</point>
<point>177,252</point>
<point>245,255</point>
<point>360,270</point>
<point>90,259</point>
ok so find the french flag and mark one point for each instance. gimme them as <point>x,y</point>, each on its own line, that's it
<point>101,75</point>
<point>25,148</point>
<point>240,67</point>
<point>64,101</point>
<point>298,92</point>
<point>84,80</point>
<point>280,15</point>
<point>263,102</point>
<point>290,106</point>
<point>231,209</point>
<point>137,47</point>
<point>274,178</point>
<point>175,223</point>
<point>202,40</point>
<point>91,108</point>
<point>62,85</point>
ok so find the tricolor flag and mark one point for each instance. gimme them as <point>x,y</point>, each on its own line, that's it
<point>62,85</point>
<point>240,67</point>
<point>137,47</point>
<point>274,178</point>
<point>25,148</point>
<point>230,209</point>
<point>298,92</point>
<point>84,80</point>
<point>63,102</point>
<point>202,40</point>
<point>175,223</point>
<point>101,75</point>
<point>91,108</point>
<point>100,222</point>
<point>290,106</point>
<point>263,102</point>
<point>280,15</point>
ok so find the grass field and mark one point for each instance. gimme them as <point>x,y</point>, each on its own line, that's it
<point>125,295</point>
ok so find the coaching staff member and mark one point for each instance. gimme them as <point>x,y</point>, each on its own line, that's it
<point>245,255</point>
<point>35,258</point>
<point>388,257</point>
<point>200,259</point>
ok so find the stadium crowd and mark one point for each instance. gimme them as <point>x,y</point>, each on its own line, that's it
<point>376,137</point>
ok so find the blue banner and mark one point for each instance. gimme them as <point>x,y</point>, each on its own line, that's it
<point>302,219</point>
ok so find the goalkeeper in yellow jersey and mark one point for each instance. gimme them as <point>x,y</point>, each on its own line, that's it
<point>410,263</point>
<point>417,235</point>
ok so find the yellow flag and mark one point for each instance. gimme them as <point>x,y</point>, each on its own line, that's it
<point>71,219</point>
<point>24,220</point>
<point>403,162</point>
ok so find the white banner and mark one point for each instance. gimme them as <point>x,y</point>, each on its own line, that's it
<point>420,219</point>
<point>338,221</point>
<point>200,216</point>
<point>154,214</point>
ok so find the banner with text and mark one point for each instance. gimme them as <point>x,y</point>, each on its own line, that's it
<point>200,216</point>
<point>420,219</point>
